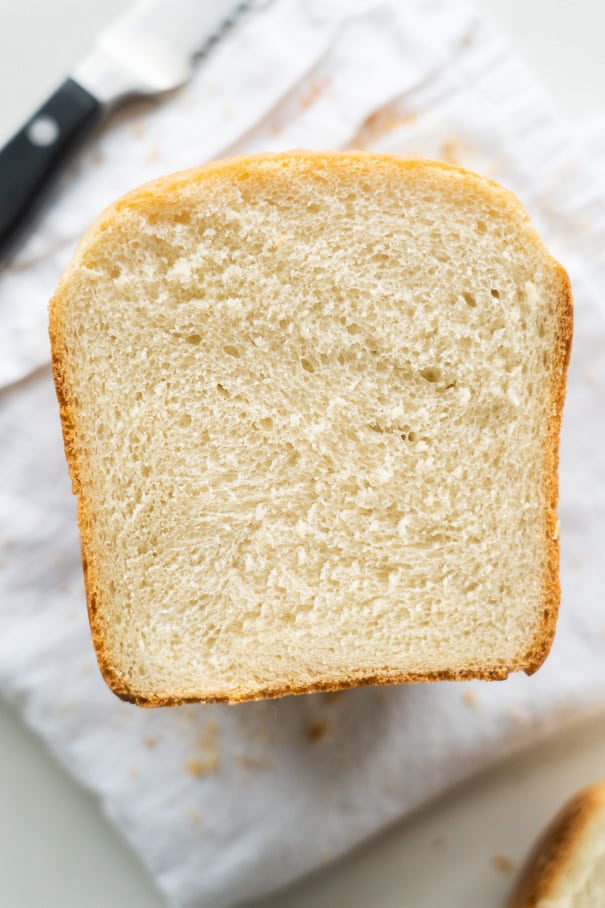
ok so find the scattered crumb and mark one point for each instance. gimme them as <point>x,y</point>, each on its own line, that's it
<point>138,130</point>
<point>316,729</point>
<point>313,92</point>
<point>439,841</point>
<point>195,818</point>
<point>516,715</point>
<point>453,151</point>
<point>208,735</point>
<point>205,767</point>
<point>502,863</point>
<point>63,588</point>
<point>208,762</point>
<point>588,377</point>
<point>97,157</point>
<point>468,40</point>
<point>450,151</point>
<point>133,772</point>
<point>254,763</point>
<point>470,698</point>
<point>371,123</point>
<point>276,131</point>
<point>152,155</point>
<point>8,542</point>
<point>380,123</point>
<point>150,742</point>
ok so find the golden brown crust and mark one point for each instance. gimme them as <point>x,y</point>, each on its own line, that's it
<point>542,642</point>
<point>287,690</point>
<point>154,194</point>
<point>549,855</point>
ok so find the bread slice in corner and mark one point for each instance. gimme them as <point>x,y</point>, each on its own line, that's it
<point>311,407</point>
<point>566,868</point>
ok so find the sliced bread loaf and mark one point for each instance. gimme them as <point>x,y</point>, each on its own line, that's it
<point>311,406</point>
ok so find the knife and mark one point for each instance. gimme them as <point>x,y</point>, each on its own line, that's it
<point>149,50</point>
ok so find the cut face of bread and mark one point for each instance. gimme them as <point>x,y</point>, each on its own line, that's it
<point>566,868</point>
<point>311,406</point>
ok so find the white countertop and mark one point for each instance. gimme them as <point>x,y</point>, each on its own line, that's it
<point>56,849</point>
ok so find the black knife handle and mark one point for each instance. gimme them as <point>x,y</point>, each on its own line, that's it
<point>36,155</point>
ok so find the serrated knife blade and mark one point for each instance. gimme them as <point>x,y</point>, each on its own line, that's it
<point>151,48</point>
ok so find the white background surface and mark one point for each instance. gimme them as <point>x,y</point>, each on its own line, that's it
<point>56,849</point>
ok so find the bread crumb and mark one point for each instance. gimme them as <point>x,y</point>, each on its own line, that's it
<point>313,92</point>
<point>195,818</point>
<point>97,157</point>
<point>8,542</point>
<point>152,155</point>
<point>133,772</point>
<point>450,151</point>
<point>332,696</point>
<point>454,151</point>
<point>502,863</point>
<point>516,715</point>
<point>138,130</point>
<point>588,377</point>
<point>199,768</point>
<point>208,735</point>
<point>380,123</point>
<point>254,763</point>
<point>470,698</point>
<point>150,742</point>
<point>208,763</point>
<point>63,588</point>
<point>316,730</point>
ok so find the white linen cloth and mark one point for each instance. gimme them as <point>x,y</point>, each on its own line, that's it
<point>225,803</point>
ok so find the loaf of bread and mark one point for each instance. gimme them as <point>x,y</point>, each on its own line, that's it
<point>566,868</point>
<point>311,406</point>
